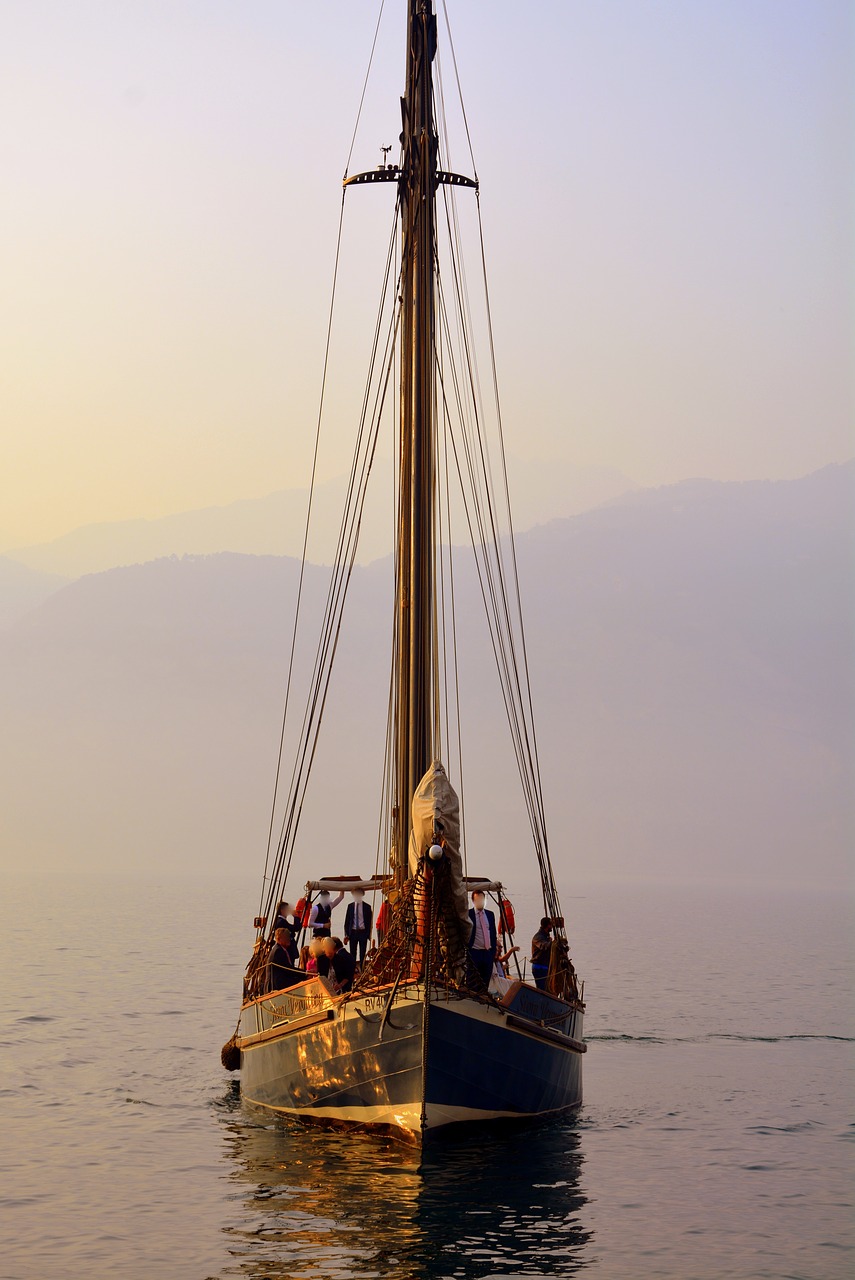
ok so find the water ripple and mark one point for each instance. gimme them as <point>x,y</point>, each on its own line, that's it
<point>618,1037</point>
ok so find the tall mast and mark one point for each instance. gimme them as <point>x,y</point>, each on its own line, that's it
<point>417,179</point>
<point>415,639</point>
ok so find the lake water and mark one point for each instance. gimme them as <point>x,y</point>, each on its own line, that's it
<point>715,1139</point>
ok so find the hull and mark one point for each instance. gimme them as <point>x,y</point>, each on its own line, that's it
<point>383,1061</point>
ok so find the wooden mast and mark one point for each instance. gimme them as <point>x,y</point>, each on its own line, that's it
<point>418,178</point>
<point>415,694</point>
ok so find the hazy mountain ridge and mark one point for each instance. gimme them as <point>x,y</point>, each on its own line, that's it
<point>275,524</point>
<point>691,669</point>
<point>772,557</point>
<point>22,589</point>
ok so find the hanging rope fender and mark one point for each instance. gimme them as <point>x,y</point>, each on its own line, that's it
<point>230,1054</point>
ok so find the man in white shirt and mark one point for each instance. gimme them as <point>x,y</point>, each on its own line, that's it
<point>319,920</point>
<point>482,939</point>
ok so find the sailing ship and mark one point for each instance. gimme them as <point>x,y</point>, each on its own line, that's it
<point>423,1039</point>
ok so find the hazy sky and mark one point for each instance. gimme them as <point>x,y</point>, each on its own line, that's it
<point>667,200</point>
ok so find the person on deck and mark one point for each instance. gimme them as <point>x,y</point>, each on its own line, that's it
<point>357,925</point>
<point>482,938</point>
<point>281,964</point>
<point>316,953</point>
<point>319,920</point>
<point>285,918</point>
<point>541,946</point>
<point>341,962</point>
<point>500,965</point>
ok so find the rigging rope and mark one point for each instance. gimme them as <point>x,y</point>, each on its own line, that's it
<point>314,464</point>
<point>459,91</point>
<point>305,544</point>
<point>524,730</point>
<point>516,580</point>
<point>364,87</point>
<point>463,841</point>
<point>492,574</point>
<point>457,381</point>
<point>342,570</point>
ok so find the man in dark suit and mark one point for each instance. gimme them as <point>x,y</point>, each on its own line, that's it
<point>285,919</point>
<point>357,925</point>
<point>282,969</point>
<point>482,938</point>
<point>342,964</point>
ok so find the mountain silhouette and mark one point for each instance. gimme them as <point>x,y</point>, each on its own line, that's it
<point>690,655</point>
<point>275,524</point>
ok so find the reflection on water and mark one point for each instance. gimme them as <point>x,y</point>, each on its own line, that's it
<point>497,1202</point>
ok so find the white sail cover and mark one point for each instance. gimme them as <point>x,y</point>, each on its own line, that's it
<point>436,809</point>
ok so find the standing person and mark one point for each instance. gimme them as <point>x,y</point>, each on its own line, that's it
<point>357,925</point>
<point>291,947</point>
<point>319,920</point>
<point>285,918</point>
<point>341,962</point>
<point>482,938</point>
<point>281,963</point>
<point>541,946</point>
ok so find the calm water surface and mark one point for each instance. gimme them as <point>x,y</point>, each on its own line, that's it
<point>715,1139</point>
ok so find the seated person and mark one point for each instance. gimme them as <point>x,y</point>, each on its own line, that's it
<point>281,969</point>
<point>500,964</point>
<point>341,962</point>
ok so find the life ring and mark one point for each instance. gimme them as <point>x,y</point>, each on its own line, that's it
<point>509,922</point>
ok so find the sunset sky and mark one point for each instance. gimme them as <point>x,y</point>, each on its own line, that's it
<point>667,203</point>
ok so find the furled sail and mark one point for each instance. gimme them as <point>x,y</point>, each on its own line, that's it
<point>436,816</point>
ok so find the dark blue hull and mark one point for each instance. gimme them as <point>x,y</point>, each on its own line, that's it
<point>478,1069</point>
